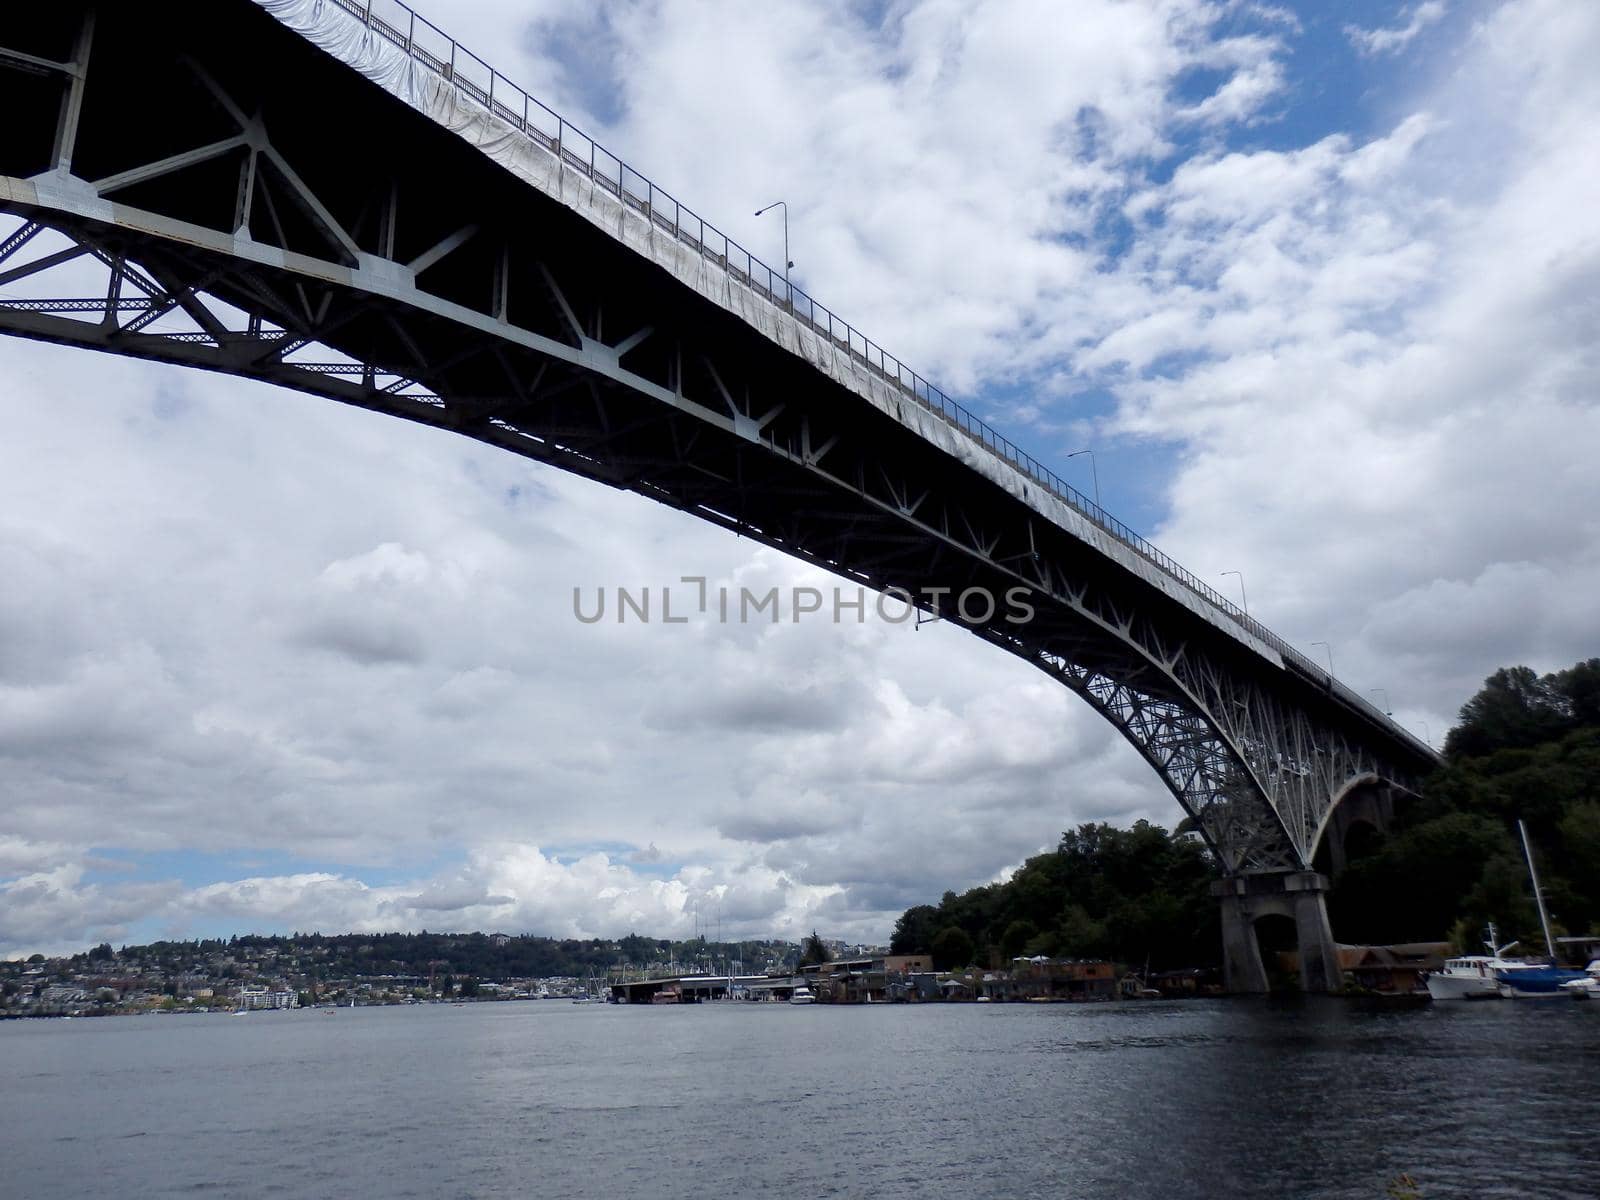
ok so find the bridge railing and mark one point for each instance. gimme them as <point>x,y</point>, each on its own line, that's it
<point>403,27</point>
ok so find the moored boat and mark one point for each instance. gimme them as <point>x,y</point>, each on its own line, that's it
<point>1475,976</point>
<point>1472,977</point>
<point>1537,980</point>
<point>1546,978</point>
<point>1587,986</point>
<point>802,995</point>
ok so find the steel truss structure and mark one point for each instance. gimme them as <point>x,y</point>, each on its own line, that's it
<point>296,225</point>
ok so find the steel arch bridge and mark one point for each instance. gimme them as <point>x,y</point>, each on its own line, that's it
<point>332,196</point>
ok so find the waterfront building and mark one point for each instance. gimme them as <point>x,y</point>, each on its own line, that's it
<point>1044,978</point>
<point>866,980</point>
<point>1188,981</point>
<point>1395,968</point>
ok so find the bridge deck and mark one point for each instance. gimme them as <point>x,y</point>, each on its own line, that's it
<point>405,54</point>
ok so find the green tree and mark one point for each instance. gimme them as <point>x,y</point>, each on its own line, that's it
<point>952,948</point>
<point>1128,894</point>
<point>1515,708</point>
<point>1014,941</point>
<point>1502,895</point>
<point>914,931</point>
<point>1579,689</point>
<point>1078,935</point>
<point>814,950</point>
<point>1579,838</point>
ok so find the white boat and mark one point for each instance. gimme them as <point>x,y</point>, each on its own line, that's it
<point>1587,988</point>
<point>1475,976</point>
<point>1470,977</point>
<point>802,995</point>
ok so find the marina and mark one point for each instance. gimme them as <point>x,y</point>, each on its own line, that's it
<point>1492,975</point>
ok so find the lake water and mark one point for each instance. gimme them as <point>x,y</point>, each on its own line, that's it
<point>1208,1098</point>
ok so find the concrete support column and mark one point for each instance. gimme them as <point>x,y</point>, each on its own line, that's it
<point>1242,968</point>
<point>1299,895</point>
<point>1319,953</point>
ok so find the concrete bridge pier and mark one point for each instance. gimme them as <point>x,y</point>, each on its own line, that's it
<point>1300,896</point>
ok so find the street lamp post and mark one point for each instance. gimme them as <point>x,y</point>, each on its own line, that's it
<point>1329,649</point>
<point>1243,599</point>
<point>787,295</point>
<point>1385,694</point>
<point>1094,472</point>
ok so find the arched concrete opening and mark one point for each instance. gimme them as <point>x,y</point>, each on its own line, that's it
<point>1360,814</point>
<point>1345,842</point>
<point>1259,912</point>
<point>1361,838</point>
<point>1278,943</point>
<point>1366,813</point>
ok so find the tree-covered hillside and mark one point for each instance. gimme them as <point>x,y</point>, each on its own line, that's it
<point>1126,894</point>
<point>1526,747</point>
<point>477,955</point>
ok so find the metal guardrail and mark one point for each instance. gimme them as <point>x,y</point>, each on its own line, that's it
<point>430,46</point>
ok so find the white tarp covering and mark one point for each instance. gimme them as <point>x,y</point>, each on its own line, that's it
<point>343,35</point>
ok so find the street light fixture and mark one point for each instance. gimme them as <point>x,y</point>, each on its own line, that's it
<point>787,294</point>
<point>1094,471</point>
<point>1329,649</point>
<point>1385,694</point>
<point>1243,599</point>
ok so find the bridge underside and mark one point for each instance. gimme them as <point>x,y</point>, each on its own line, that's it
<point>168,196</point>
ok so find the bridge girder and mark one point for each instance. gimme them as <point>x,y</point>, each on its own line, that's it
<point>227,244</point>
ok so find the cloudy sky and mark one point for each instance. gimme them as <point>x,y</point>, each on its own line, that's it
<point>1318,284</point>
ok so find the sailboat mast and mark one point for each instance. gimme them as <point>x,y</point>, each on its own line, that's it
<point>1538,896</point>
